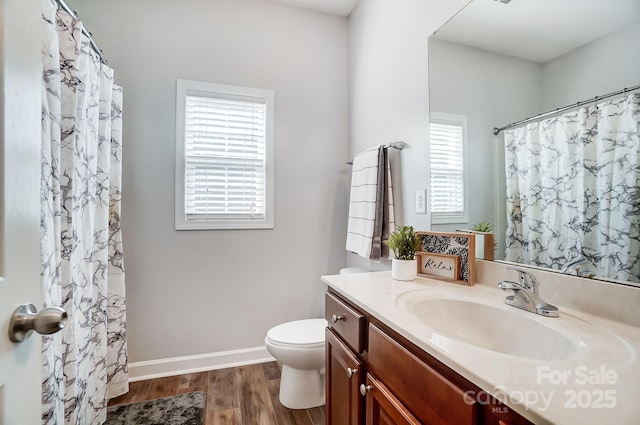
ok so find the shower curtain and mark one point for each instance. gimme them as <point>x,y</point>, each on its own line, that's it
<point>573,184</point>
<point>81,243</point>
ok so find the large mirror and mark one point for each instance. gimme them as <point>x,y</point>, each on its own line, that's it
<point>499,62</point>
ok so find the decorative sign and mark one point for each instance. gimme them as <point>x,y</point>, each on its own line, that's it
<point>462,245</point>
<point>442,265</point>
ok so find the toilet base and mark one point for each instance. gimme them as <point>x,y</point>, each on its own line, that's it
<point>301,389</point>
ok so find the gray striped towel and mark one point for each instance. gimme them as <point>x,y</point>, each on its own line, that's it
<point>371,214</point>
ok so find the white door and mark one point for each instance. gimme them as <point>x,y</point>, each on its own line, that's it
<point>20,94</point>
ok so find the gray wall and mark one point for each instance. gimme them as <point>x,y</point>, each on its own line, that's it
<point>389,92</point>
<point>192,292</point>
<point>492,90</point>
<point>603,66</point>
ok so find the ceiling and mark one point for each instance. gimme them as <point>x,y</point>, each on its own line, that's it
<point>334,7</point>
<point>548,28</point>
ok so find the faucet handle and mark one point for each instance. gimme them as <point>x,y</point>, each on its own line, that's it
<point>507,284</point>
<point>526,279</point>
<point>574,264</point>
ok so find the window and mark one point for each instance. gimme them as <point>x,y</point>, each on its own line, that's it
<point>224,157</point>
<point>447,135</point>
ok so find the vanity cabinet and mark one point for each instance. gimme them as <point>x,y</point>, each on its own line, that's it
<point>374,376</point>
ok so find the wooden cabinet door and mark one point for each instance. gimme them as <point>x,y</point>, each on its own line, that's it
<point>432,397</point>
<point>382,407</point>
<point>344,374</point>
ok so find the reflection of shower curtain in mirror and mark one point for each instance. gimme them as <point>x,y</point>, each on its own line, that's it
<point>573,188</point>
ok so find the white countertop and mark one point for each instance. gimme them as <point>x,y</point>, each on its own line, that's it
<point>601,382</point>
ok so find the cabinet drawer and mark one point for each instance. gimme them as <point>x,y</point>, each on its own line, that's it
<point>345,321</point>
<point>431,397</point>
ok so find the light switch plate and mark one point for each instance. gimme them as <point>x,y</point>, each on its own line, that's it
<point>421,201</point>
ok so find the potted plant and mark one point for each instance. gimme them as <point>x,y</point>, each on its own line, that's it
<point>484,227</point>
<point>404,243</point>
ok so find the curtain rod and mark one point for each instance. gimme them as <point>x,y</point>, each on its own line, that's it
<point>497,130</point>
<point>395,145</point>
<point>92,42</point>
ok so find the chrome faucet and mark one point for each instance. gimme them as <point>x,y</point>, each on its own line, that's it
<point>525,294</point>
<point>574,266</point>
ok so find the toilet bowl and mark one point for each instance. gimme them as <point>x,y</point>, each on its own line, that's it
<point>299,347</point>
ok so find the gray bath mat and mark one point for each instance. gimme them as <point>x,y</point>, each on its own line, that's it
<point>183,409</point>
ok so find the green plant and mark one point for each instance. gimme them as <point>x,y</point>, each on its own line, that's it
<point>483,226</point>
<point>403,242</point>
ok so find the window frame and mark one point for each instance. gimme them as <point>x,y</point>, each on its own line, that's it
<point>186,88</point>
<point>450,217</point>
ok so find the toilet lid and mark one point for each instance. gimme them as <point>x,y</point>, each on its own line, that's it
<point>300,333</point>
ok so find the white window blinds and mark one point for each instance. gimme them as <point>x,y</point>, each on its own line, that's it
<point>447,169</point>
<point>225,158</point>
<point>226,147</point>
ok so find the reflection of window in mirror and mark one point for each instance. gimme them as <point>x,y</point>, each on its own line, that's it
<point>447,135</point>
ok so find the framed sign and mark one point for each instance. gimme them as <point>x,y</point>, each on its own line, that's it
<point>442,265</point>
<point>462,245</point>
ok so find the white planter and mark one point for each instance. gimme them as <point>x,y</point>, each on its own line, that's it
<point>404,269</point>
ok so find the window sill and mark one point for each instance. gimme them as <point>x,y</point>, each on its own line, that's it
<point>449,219</point>
<point>223,225</point>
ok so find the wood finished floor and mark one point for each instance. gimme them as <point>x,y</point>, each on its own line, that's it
<point>245,395</point>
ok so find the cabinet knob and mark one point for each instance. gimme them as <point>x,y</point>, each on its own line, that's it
<point>351,372</point>
<point>336,318</point>
<point>364,389</point>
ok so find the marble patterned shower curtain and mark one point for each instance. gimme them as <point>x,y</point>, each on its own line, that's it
<point>81,244</point>
<point>573,185</point>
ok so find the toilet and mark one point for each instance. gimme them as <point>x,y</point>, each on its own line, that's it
<point>299,346</point>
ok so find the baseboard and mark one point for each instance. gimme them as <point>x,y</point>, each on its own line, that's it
<point>159,368</point>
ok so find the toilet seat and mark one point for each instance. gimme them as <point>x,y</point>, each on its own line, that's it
<point>308,333</point>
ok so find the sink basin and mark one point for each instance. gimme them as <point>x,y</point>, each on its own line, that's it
<point>498,327</point>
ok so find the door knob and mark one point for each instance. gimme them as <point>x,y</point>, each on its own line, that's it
<point>26,319</point>
<point>351,372</point>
